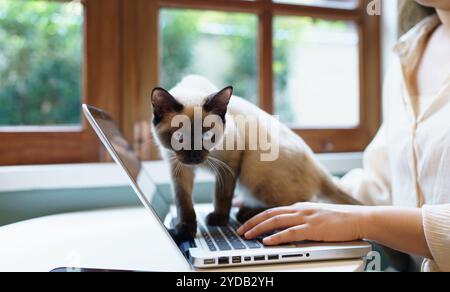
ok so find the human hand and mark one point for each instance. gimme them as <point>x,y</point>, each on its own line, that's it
<point>307,221</point>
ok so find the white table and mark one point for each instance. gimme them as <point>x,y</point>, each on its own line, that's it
<point>108,239</point>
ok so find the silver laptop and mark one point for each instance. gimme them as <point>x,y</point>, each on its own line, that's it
<point>213,246</point>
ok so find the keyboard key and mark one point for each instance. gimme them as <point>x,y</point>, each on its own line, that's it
<point>252,244</point>
<point>234,224</point>
<point>208,239</point>
<point>232,238</point>
<point>218,238</point>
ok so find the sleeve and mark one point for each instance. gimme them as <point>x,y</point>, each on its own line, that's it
<point>436,222</point>
<point>371,184</point>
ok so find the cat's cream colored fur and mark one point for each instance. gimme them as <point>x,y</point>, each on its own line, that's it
<point>295,176</point>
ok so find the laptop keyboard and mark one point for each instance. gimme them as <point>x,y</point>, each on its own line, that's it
<point>218,238</point>
<point>236,243</point>
<point>249,243</point>
<point>208,239</point>
<point>225,238</point>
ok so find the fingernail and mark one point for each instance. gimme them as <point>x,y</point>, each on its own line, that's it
<point>248,234</point>
<point>239,231</point>
<point>267,240</point>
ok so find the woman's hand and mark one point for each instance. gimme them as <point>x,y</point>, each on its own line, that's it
<point>307,221</point>
<point>398,228</point>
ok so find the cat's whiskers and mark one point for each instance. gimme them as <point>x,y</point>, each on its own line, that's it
<point>219,176</point>
<point>224,166</point>
<point>220,171</point>
<point>217,172</point>
<point>211,167</point>
<point>177,166</point>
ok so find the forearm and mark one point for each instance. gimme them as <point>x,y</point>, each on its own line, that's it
<point>398,228</point>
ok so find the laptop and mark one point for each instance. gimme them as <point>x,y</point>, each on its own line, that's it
<point>213,246</point>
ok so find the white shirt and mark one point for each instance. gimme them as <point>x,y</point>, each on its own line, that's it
<point>408,163</point>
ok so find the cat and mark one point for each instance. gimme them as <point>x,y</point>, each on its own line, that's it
<point>294,176</point>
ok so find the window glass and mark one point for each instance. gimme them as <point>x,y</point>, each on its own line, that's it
<point>40,63</point>
<point>316,67</point>
<point>218,45</point>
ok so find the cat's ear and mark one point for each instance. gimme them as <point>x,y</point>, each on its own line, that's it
<point>218,103</point>
<point>164,103</point>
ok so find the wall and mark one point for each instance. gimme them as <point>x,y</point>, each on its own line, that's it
<point>28,192</point>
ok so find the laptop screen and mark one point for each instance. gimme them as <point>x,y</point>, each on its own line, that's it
<point>122,152</point>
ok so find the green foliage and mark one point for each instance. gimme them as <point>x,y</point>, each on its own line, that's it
<point>234,33</point>
<point>40,63</point>
<point>290,32</point>
<point>41,56</point>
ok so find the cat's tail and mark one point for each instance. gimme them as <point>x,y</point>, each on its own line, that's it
<point>333,192</point>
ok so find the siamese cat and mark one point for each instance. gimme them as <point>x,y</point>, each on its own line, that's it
<point>293,176</point>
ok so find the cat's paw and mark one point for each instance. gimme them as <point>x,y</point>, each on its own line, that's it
<point>216,219</point>
<point>186,230</point>
<point>246,213</point>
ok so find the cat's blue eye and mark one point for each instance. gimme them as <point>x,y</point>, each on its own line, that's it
<point>178,136</point>
<point>208,135</point>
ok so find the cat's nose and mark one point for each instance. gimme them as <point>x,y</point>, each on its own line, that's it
<point>196,157</point>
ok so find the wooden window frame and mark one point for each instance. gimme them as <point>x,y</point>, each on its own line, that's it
<point>321,140</point>
<point>101,87</point>
<point>121,66</point>
<point>119,71</point>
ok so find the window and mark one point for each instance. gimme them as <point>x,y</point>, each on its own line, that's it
<point>52,59</point>
<point>40,63</point>
<point>222,46</point>
<point>311,53</point>
<point>313,63</point>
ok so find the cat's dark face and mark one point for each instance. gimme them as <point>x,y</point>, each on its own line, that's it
<point>190,131</point>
